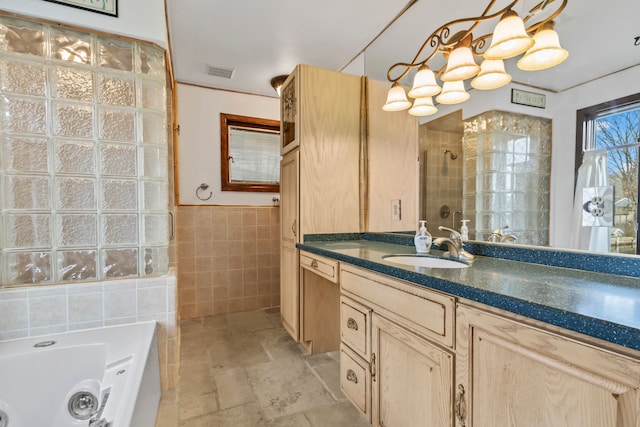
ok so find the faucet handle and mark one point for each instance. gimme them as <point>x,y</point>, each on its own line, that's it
<point>453,234</point>
<point>500,229</point>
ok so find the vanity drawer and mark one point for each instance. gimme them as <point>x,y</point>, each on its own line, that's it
<point>322,266</point>
<point>355,326</point>
<point>355,379</point>
<point>418,308</point>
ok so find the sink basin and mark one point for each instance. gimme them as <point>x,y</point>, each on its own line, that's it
<point>424,261</point>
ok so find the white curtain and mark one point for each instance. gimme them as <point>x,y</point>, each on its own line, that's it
<point>593,172</point>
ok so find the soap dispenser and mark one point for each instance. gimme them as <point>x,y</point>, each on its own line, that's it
<point>464,230</point>
<point>423,239</point>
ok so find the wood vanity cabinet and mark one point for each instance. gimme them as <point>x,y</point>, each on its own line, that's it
<point>320,134</point>
<point>511,374</point>
<point>396,357</point>
<point>401,367</point>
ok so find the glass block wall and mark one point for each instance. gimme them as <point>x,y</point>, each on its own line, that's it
<point>83,156</point>
<point>507,164</point>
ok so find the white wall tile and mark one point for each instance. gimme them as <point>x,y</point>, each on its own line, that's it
<point>152,301</point>
<point>47,311</point>
<point>85,307</point>
<point>119,303</point>
<point>14,314</point>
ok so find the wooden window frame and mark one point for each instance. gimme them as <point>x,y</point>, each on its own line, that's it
<point>226,122</point>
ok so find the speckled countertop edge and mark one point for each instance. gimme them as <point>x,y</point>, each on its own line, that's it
<point>551,307</point>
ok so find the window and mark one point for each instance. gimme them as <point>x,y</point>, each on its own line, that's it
<point>250,153</point>
<point>615,127</point>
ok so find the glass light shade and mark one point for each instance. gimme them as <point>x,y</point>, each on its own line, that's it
<point>453,93</point>
<point>424,83</point>
<point>460,65</point>
<point>491,75</point>
<point>423,107</point>
<point>396,99</point>
<point>277,82</point>
<point>509,38</point>
<point>545,53</point>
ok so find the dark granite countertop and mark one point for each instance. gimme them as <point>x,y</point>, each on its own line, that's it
<point>604,306</point>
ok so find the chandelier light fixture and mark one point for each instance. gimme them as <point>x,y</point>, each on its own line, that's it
<point>512,36</point>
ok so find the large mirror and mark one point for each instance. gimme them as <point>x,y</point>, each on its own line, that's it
<point>603,41</point>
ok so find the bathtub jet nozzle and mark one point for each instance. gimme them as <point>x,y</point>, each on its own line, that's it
<point>83,405</point>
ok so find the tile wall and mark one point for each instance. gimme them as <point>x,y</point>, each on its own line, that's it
<point>228,259</point>
<point>39,310</point>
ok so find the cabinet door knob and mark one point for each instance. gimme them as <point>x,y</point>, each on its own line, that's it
<point>352,324</point>
<point>314,263</point>
<point>461,406</point>
<point>351,376</point>
<point>293,228</point>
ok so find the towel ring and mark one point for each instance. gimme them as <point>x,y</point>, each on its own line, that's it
<point>203,187</point>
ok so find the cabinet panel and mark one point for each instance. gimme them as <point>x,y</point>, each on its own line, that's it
<point>517,375</point>
<point>288,113</point>
<point>412,379</point>
<point>320,313</point>
<point>355,381</point>
<point>428,312</point>
<point>289,207</point>
<point>289,289</point>
<point>329,151</point>
<point>321,266</point>
<point>393,163</point>
<point>355,326</point>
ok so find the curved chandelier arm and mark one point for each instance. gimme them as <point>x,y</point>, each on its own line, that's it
<point>441,42</point>
<point>539,8</point>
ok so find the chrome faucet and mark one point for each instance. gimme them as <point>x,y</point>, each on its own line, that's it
<point>498,236</point>
<point>454,245</point>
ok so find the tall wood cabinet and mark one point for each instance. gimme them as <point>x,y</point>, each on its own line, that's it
<point>320,134</point>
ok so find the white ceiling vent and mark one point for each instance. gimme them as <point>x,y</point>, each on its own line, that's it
<point>226,73</point>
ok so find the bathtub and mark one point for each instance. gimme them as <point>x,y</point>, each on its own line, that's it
<point>105,377</point>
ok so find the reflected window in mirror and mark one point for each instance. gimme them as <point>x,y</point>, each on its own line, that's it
<point>250,153</point>
<point>607,150</point>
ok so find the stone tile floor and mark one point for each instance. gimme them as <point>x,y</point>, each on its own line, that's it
<point>244,370</point>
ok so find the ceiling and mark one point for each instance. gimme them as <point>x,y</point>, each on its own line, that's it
<point>263,39</point>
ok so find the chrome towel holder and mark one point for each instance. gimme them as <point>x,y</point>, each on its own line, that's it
<point>203,187</point>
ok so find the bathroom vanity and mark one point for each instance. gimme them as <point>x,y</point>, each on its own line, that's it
<point>500,343</point>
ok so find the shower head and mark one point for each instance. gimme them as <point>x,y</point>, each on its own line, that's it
<point>452,155</point>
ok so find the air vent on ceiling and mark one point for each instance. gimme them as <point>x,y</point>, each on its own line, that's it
<point>226,73</point>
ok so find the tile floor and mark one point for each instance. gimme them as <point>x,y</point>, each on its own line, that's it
<point>243,370</point>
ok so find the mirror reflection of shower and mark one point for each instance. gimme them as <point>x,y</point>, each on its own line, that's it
<point>441,171</point>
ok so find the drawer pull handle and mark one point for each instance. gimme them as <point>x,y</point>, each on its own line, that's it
<point>461,406</point>
<point>314,263</point>
<point>351,376</point>
<point>372,367</point>
<point>352,324</point>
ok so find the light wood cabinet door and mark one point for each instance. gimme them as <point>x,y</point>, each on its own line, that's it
<point>289,197</point>
<point>289,235</point>
<point>289,289</point>
<point>510,374</point>
<point>412,379</point>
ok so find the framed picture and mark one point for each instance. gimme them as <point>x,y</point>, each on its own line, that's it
<point>106,7</point>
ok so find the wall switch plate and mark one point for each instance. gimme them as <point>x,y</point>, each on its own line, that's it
<point>396,210</point>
